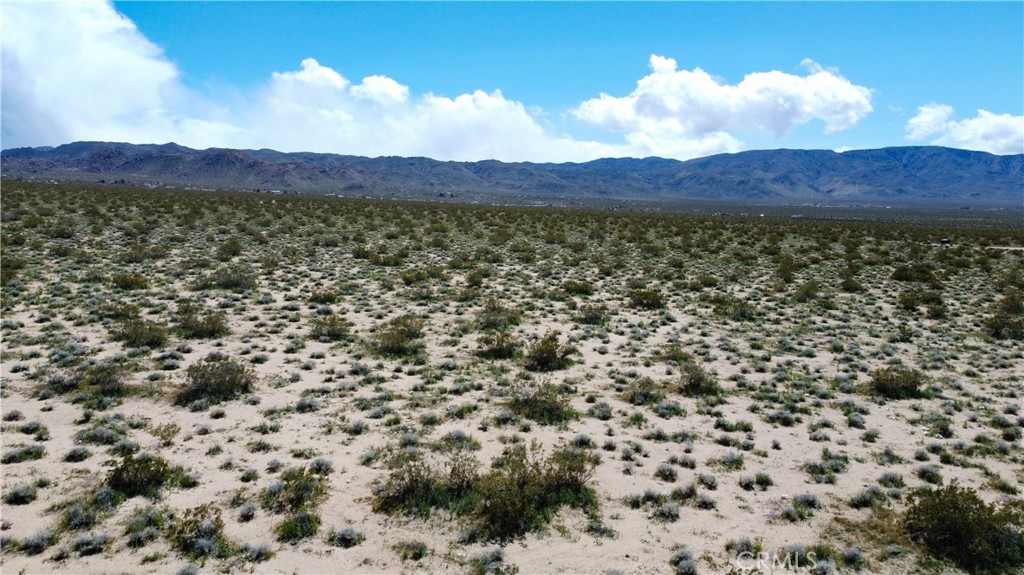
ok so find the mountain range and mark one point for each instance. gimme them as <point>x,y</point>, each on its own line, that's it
<point>918,175</point>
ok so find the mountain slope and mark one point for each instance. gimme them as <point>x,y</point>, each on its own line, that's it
<point>903,175</point>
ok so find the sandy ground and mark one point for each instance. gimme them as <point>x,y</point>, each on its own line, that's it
<point>812,356</point>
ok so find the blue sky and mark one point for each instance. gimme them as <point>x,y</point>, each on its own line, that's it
<point>522,81</point>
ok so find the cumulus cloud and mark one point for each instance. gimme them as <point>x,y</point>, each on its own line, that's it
<point>987,132</point>
<point>693,108</point>
<point>82,71</point>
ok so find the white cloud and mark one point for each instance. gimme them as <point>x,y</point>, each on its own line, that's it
<point>987,132</point>
<point>82,71</point>
<point>692,108</point>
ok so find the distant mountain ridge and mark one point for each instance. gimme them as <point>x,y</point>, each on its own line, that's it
<point>898,175</point>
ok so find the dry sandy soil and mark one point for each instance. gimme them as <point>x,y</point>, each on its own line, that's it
<point>792,444</point>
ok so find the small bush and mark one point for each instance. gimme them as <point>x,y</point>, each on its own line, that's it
<point>399,337</point>
<point>330,328</point>
<point>301,525</point>
<point>26,453</point>
<point>140,333</point>
<point>21,494</point>
<point>215,380</point>
<point>543,402</point>
<point>298,489</point>
<point>192,325</point>
<point>412,550</point>
<point>129,281</point>
<point>498,345</point>
<point>345,538</point>
<point>547,354</point>
<point>144,474</point>
<point>646,299</point>
<point>695,381</point>
<point>898,383</point>
<point>235,278</point>
<point>954,523</point>
<point>199,532</point>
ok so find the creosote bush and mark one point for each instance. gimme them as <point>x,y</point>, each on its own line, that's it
<point>330,328</point>
<point>953,523</point>
<point>401,336</point>
<point>547,354</point>
<point>520,494</point>
<point>542,401</point>
<point>215,379</point>
<point>144,474</point>
<point>898,383</point>
<point>695,381</point>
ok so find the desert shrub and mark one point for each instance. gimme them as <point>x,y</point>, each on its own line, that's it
<point>77,454</point>
<point>644,391</point>
<point>1006,319</point>
<point>575,287</point>
<point>106,378</point>
<point>524,492</point>
<point>695,381</point>
<point>239,277</point>
<point>806,291</point>
<point>592,314</point>
<point>520,494</point>
<point>345,538</point>
<point>25,453</point>
<point>90,543</point>
<point>411,550</point>
<point>543,402</point>
<point>144,474</point>
<point>214,380</point>
<point>872,496</point>
<point>683,561</point>
<point>731,307</point>
<point>298,526</point>
<point>330,328</point>
<point>954,523</point>
<point>129,281</point>
<point>140,333</point>
<point>496,316</point>
<point>898,383</point>
<point>229,249</point>
<point>192,325</point>
<point>298,489</point>
<point>547,354</point>
<point>199,533</point>
<point>646,298</point>
<point>498,345</point>
<point>22,494</point>
<point>401,336</point>
<point>918,272</point>
<point>36,544</point>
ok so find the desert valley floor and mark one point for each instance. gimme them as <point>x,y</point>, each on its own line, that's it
<point>202,382</point>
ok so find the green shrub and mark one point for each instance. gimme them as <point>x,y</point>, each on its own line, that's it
<point>129,281</point>
<point>495,316</point>
<point>548,355</point>
<point>543,402</point>
<point>1006,320</point>
<point>140,333</point>
<point>192,325</point>
<point>199,533</point>
<point>898,383</point>
<point>695,381</point>
<point>399,337</point>
<point>498,345</point>
<point>592,314</point>
<point>330,328</point>
<point>214,380</point>
<point>298,526</point>
<point>646,298</point>
<point>237,277</point>
<point>644,391</point>
<point>954,523</point>
<point>144,474</point>
<point>411,550</point>
<point>26,453</point>
<point>520,494</point>
<point>298,489</point>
